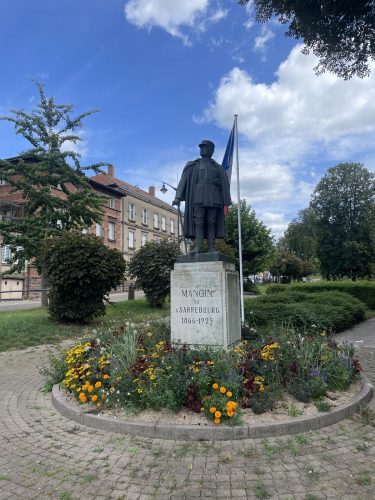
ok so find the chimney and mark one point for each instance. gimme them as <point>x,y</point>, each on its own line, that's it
<point>151,190</point>
<point>111,170</point>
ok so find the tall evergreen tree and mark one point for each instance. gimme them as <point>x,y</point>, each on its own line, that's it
<point>344,207</point>
<point>49,177</point>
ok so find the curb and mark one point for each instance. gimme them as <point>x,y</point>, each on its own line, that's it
<point>195,433</point>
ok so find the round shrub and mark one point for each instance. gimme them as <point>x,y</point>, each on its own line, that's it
<point>361,290</point>
<point>151,267</point>
<point>81,271</point>
<point>335,311</point>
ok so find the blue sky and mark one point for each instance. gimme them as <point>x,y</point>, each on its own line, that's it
<point>165,74</point>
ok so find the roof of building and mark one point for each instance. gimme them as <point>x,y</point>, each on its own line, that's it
<point>135,191</point>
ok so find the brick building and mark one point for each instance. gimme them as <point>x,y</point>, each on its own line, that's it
<point>131,217</point>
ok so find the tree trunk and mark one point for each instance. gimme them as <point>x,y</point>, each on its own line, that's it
<point>44,285</point>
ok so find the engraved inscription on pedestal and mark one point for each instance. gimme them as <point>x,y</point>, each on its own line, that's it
<point>202,313</point>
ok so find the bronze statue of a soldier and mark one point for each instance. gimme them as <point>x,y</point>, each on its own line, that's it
<point>204,187</point>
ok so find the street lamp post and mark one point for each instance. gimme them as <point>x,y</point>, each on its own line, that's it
<point>180,238</point>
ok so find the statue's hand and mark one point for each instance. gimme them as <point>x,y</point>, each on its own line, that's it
<point>176,202</point>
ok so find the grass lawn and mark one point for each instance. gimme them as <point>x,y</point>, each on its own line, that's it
<point>26,328</point>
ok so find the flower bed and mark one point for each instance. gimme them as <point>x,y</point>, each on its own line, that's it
<point>136,367</point>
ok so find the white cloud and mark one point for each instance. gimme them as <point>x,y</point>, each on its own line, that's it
<point>287,127</point>
<point>260,42</point>
<point>298,106</point>
<point>169,15</point>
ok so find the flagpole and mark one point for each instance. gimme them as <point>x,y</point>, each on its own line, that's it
<point>239,220</point>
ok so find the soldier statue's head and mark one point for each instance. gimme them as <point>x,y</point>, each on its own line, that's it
<point>207,148</point>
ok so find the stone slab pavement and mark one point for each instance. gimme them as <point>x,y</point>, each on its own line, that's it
<point>43,455</point>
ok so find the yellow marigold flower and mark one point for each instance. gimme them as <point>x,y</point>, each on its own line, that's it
<point>217,421</point>
<point>82,397</point>
<point>215,386</point>
<point>230,413</point>
<point>223,390</point>
<point>212,409</point>
<point>217,414</point>
<point>118,379</point>
<point>105,377</point>
<point>261,388</point>
<point>98,384</point>
<point>94,398</point>
<point>139,391</point>
<point>202,408</point>
<point>229,394</point>
<point>90,388</point>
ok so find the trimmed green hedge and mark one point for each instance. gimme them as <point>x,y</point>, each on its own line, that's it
<point>333,311</point>
<point>362,290</point>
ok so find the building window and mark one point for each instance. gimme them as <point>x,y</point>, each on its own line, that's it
<point>98,229</point>
<point>156,221</point>
<point>111,231</point>
<point>144,216</point>
<point>131,239</point>
<point>112,203</point>
<point>172,226</point>
<point>131,211</point>
<point>6,254</point>
<point>163,224</point>
<point>144,238</point>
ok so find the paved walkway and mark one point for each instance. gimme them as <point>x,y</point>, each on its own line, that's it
<point>43,455</point>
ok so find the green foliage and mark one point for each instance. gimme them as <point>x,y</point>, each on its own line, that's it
<point>53,369</point>
<point>50,163</point>
<point>361,290</point>
<point>135,366</point>
<point>151,267</point>
<point>334,311</point>
<point>340,34</point>
<point>344,206</point>
<point>250,287</point>
<point>305,390</point>
<point>257,242</point>
<point>300,236</point>
<point>81,271</point>
<point>286,266</point>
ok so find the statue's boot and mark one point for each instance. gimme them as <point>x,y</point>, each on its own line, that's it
<point>199,232</point>
<point>211,238</point>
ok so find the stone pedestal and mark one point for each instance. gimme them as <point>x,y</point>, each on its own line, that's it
<point>205,301</point>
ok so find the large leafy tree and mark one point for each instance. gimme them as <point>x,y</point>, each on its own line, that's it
<point>56,194</point>
<point>344,207</point>
<point>340,33</point>
<point>257,242</point>
<point>300,238</point>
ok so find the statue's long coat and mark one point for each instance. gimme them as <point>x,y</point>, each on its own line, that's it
<point>185,192</point>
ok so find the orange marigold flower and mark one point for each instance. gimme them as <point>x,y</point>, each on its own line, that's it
<point>94,397</point>
<point>212,409</point>
<point>230,412</point>
<point>217,421</point>
<point>98,384</point>
<point>223,390</point>
<point>106,377</point>
<point>232,405</point>
<point>217,414</point>
<point>215,386</point>
<point>82,397</point>
<point>229,394</point>
<point>90,388</point>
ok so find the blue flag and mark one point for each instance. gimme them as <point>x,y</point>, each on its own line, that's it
<point>228,155</point>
